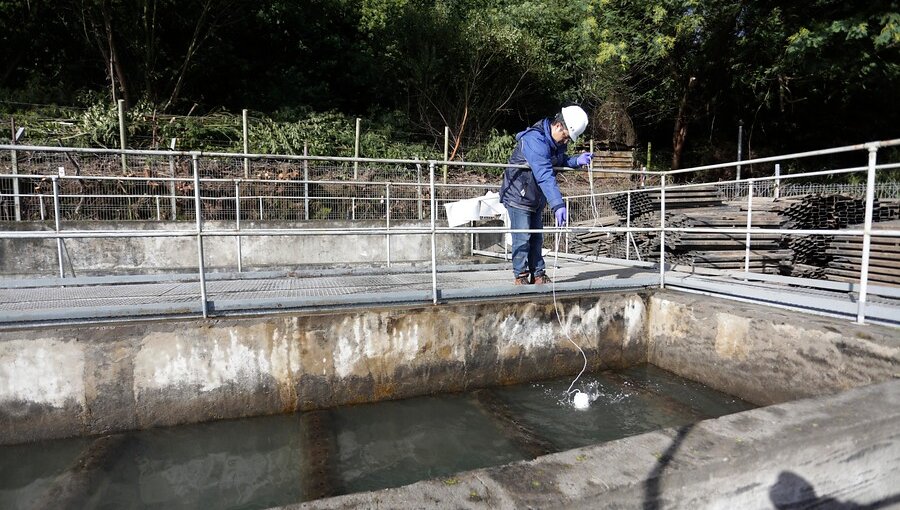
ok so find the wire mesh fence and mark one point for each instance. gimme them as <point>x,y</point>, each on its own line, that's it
<point>108,187</point>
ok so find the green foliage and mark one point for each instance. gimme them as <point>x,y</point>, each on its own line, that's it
<point>496,148</point>
<point>800,74</point>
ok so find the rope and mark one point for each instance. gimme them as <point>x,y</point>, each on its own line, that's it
<point>559,318</point>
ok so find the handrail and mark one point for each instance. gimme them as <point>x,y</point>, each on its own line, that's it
<point>203,230</point>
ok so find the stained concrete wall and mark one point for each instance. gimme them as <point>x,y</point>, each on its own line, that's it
<point>83,380</point>
<point>21,258</point>
<point>766,355</point>
<point>58,382</point>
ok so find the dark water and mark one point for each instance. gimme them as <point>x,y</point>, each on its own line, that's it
<point>269,461</point>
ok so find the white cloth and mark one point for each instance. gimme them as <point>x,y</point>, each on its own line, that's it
<point>473,209</point>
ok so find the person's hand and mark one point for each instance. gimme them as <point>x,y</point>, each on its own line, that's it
<point>585,158</point>
<point>562,216</point>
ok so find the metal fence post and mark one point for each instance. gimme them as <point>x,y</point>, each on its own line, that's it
<point>17,200</point>
<point>172,182</point>
<point>419,189</point>
<point>158,209</point>
<point>739,146</point>
<point>446,149</point>
<point>662,231</point>
<point>121,107</point>
<point>590,170</point>
<point>237,220</point>
<point>867,235</point>
<point>433,243</point>
<point>628,225</point>
<point>246,146</point>
<point>568,211</point>
<point>59,241</point>
<point>198,214</point>
<point>749,223</point>
<point>777,192</point>
<point>306,181</point>
<point>355,173</point>
<point>387,216</point>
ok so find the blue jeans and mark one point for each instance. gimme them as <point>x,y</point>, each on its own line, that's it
<point>526,248</point>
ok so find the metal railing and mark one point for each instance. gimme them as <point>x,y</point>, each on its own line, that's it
<point>198,187</point>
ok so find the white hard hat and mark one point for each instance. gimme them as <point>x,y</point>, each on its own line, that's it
<point>576,121</point>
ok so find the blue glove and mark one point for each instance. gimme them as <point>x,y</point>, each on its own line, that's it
<point>585,158</point>
<point>562,216</point>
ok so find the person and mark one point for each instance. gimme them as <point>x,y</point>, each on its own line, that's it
<point>526,191</point>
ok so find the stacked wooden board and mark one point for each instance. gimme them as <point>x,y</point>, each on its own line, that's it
<point>807,256</point>
<point>845,254</point>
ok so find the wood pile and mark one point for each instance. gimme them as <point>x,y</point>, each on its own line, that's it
<point>645,202</point>
<point>811,256</point>
<point>845,254</point>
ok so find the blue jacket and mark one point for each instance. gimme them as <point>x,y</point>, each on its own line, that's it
<point>531,189</point>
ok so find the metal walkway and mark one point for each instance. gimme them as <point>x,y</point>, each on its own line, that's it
<point>25,303</point>
<point>90,299</point>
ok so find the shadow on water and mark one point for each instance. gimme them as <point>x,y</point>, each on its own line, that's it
<point>652,485</point>
<point>793,492</point>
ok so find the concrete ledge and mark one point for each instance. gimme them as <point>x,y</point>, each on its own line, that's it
<point>766,355</point>
<point>840,451</point>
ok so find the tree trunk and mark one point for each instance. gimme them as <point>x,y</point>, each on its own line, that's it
<point>114,63</point>
<point>681,124</point>
<point>196,40</point>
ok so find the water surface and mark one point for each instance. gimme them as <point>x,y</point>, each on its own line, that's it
<point>276,460</point>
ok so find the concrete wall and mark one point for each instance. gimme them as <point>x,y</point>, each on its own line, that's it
<point>83,380</point>
<point>763,354</point>
<point>103,256</point>
<point>58,382</point>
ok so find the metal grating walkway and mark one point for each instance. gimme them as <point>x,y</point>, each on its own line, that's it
<point>90,300</point>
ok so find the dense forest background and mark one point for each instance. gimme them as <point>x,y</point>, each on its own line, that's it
<point>678,73</point>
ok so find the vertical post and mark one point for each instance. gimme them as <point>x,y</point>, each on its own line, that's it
<point>306,181</point>
<point>569,212</point>
<point>355,173</point>
<point>749,223</point>
<point>419,189</point>
<point>628,225</point>
<point>646,168</point>
<point>867,235</point>
<point>777,192</point>
<point>387,217</point>
<point>739,147</point>
<point>260,208</point>
<point>17,200</point>
<point>662,231</point>
<point>198,212</point>
<point>433,243</point>
<point>158,209</point>
<point>590,170</point>
<point>59,241</point>
<point>172,182</point>
<point>237,220</point>
<point>246,146</point>
<point>121,104</point>
<point>446,149</point>
<point>43,209</point>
